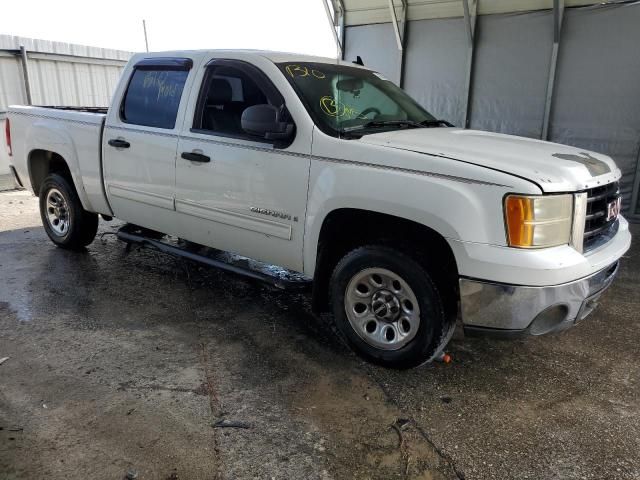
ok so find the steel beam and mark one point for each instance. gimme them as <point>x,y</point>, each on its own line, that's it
<point>400,29</point>
<point>405,7</point>
<point>25,71</point>
<point>332,22</point>
<point>558,15</point>
<point>634,208</point>
<point>470,28</point>
<point>396,27</point>
<point>342,27</point>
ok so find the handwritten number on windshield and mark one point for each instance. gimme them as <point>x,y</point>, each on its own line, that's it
<point>332,107</point>
<point>303,71</point>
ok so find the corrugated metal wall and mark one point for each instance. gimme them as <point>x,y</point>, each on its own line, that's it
<point>597,96</point>
<point>59,74</point>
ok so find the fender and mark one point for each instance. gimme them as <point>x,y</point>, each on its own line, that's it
<point>455,210</point>
<point>51,136</point>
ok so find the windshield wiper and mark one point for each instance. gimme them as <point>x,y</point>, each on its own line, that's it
<point>435,123</point>
<point>392,123</point>
<point>382,124</point>
<point>356,131</point>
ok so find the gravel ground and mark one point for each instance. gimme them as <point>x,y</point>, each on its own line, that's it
<point>123,362</point>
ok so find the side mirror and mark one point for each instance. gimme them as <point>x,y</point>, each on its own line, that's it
<point>264,121</point>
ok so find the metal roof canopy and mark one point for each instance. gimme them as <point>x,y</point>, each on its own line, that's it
<point>350,13</point>
<point>365,12</point>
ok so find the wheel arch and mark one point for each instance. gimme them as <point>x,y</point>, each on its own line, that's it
<point>344,229</point>
<point>53,150</point>
<point>41,162</point>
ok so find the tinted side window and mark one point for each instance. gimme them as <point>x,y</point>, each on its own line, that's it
<point>153,97</point>
<point>237,94</point>
<point>228,88</point>
<point>227,91</point>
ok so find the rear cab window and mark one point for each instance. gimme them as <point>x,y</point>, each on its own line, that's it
<point>153,95</point>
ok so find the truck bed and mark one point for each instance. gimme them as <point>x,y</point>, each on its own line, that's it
<point>73,133</point>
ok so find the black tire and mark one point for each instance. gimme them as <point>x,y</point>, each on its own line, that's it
<point>434,328</point>
<point>82,225</point>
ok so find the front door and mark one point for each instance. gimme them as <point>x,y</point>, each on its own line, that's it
<point>236,192</point>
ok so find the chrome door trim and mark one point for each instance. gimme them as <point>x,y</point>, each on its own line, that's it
<point>235,219</point>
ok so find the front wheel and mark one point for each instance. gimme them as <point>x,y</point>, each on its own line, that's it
<point>67,224</point>
<point>388,307</point>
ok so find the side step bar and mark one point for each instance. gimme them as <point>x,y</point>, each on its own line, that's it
<point>287,280</point>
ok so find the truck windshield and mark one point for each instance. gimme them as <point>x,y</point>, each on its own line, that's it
<point>350,102</point>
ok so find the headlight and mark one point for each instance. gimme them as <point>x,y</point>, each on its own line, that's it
<point>538,221</point>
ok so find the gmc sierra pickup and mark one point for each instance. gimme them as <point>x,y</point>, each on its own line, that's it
<point>403,222</point>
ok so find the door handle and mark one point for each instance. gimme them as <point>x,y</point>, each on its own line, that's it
<point>195,157</point>
<point>119,143</point>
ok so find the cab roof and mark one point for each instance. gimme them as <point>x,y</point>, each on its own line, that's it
<point>276,57</point>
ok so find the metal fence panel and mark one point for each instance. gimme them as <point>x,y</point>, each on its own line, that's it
<point>435,64</point>
<point>511,71</point>
<point>59,74</point>
<point>377,46</point>
<point>597,101</point>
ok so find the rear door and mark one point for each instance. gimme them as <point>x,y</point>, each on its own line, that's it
<point>140,141</point>
<point>235,191</point>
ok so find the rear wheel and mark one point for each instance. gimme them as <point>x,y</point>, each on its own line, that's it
<point>388,307</point>
<point>67,224</point>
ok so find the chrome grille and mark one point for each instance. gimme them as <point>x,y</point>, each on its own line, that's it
<point>597,229</point>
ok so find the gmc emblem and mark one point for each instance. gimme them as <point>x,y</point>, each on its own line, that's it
<point>613,209</point>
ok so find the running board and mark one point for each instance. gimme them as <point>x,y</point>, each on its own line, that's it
<point>277,277</point>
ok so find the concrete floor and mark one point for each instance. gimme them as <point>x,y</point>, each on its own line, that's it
<point>122,363</point>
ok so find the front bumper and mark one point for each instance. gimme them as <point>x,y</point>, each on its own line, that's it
<point>503,309</point>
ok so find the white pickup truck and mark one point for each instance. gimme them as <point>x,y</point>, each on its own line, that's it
<point>403,222</point>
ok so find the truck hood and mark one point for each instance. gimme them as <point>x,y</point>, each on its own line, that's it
<point>553,167</point>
